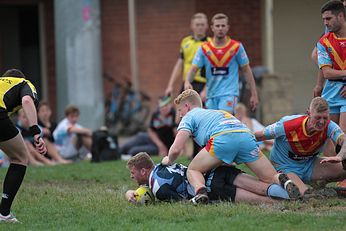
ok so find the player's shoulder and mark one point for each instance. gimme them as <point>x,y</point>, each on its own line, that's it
<point>290,117</point>
<point>186,39</point>
<point>327,35</point>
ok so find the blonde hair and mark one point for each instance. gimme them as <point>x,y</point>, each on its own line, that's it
<point>219,16</point>
<point>190,96</point>
<point>199,16</point>
<point>318,104</point>
<point>140,160</point>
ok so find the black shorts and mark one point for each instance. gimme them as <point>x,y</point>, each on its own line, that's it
<point>7,129</point>
<point>219,183</point>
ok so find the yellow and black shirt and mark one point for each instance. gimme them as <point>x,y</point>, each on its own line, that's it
<point>12,90</point>
<point>188,49</point>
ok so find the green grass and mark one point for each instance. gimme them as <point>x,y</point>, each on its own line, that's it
<point>89,196</point>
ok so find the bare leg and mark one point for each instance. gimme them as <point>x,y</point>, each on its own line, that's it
<point>37,155</point>
<point>54,154</point>
<point>202,163</point>
<point>87,142</point>
<point>264,170</point>
<point>328,171</point>
<point>251,184</point>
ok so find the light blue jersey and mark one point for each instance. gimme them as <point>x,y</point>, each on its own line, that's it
<point>222,67</point>
<point>222,135</point>
<point>205,123</point>
<point>284,154</point>
<point>332,88</point>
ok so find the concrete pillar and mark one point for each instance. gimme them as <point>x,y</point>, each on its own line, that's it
<point>78,59</point>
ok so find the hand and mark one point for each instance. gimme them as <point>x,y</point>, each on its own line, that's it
<point>331,159</point>
<point>131,196</point>
<point>166,161</point>
<point>253,102</point>
<point>343,92</point>
<point>39,144</point>
<point>169,90</point>
<point>317,90</point>
<point>187,85</point>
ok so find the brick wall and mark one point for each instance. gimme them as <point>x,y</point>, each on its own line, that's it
<point>161,25</point>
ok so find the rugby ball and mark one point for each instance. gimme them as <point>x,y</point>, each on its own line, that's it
<point>144,195</point>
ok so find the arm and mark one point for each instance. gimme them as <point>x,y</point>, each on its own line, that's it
<point>30,112</point>
<point>80,130</point>
<point>341,156</point>
<point>190,76</point>
<point>177,147</point>
<point>330,73</point>
<point>157,141</point>
<point>176,74</point>
<point>251,81</point>
<point>319,84</point>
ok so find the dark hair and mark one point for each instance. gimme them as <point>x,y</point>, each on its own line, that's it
<point>335,6</point>
<point>13,73</point>
<point>43,103</point>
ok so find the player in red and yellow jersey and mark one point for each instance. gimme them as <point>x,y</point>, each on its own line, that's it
<point>299,140</point>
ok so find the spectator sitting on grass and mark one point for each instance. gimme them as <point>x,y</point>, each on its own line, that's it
<point>72,140</point>
<point>44,121</point>
<point>160,134</point>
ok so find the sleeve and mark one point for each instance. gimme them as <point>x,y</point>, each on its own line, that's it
<point>334,131</point>
<point>186,124</point>
<point>198,60</point>
<point>274,130</point>
<point>323,56</point>
<point>29,89</point>
<point>241,56</point>
<point>166,193</point>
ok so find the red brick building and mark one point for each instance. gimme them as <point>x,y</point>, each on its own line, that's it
<point>160,27</point>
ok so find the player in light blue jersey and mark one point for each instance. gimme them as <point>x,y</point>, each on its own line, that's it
<point>225,140</point>
<point>299,140</point>
<point>226,183</point>
<point>222,57</point>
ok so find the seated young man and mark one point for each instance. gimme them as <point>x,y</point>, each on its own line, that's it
<point>160,134</point>
<point>169,183</point>
<point>72,140</point>
<point>299,139</point>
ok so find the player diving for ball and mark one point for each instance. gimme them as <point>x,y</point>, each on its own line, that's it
<point>227,183</point>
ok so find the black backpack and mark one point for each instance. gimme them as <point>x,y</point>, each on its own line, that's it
<point>104,146</point>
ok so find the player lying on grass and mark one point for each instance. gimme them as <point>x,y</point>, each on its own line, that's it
<point>225,140</point>
<point>299,139</point>
<point>169,183</point>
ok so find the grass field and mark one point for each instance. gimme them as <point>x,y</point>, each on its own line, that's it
<point>87,196</point>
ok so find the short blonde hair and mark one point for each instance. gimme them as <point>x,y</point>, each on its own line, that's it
<point>199,16</point>
<point>318,104</point>
<point>190,96</point>
<point>219,16</point>
<point>140,160</point>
